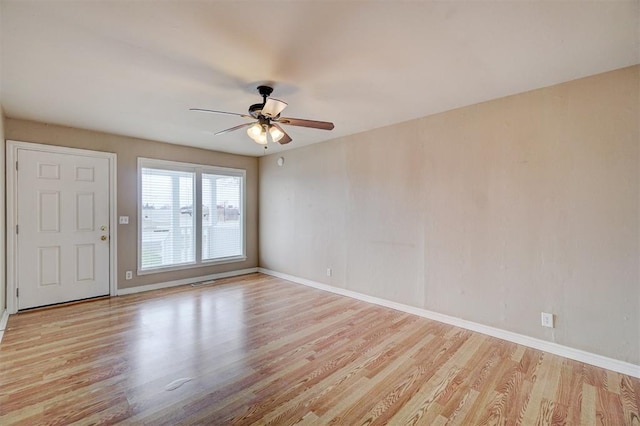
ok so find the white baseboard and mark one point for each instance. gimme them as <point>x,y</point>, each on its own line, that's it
<point>554,348</point>
<point>166,284</point>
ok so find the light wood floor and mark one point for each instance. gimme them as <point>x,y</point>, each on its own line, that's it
<point>263,350</point>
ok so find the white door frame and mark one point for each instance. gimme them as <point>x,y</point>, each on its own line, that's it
<point>12,212</point>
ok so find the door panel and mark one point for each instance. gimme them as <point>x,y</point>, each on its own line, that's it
<point>84,211</point>
<point>63,219</point>
<point>48,266</point>
<point>85,262</point>
<point>48,211</point>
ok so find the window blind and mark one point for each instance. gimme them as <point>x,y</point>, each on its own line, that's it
<point>168,219</point>
<point>222,216</point>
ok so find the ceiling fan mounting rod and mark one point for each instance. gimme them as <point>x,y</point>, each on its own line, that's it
<point>265,92</point>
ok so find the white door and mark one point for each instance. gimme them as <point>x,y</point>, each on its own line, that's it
<point>63,227</point>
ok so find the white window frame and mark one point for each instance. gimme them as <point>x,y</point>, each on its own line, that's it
<point>198,170</point>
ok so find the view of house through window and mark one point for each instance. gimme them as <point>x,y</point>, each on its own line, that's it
<point>171,232</point>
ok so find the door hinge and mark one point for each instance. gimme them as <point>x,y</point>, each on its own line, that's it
<point>17,292</point>
<point>16,166</point>
<point>17,229</point>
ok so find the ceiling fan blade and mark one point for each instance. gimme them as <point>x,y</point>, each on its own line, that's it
<point>324,125</point>
<point>210,111</point>
<point>273,107</point>
<point>233,128</point>
<point>285,139</point>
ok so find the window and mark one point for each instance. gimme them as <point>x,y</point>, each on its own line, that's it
<point>189,215</point>
<point>167,231</point>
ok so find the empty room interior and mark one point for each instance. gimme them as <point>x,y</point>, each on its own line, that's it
<point>274,212</point>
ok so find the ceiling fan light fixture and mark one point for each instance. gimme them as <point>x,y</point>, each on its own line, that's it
<point>276,134</point>
<point>255,130</point>
<point>262,139</point>
<point>257,133</point>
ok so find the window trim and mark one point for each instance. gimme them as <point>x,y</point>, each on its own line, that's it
<point>198,170</point>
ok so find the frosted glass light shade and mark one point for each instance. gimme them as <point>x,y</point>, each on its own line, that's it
<point>276,134</point>
<point>257,133</point>
<point>254,130</point>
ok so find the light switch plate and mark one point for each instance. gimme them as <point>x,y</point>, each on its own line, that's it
<point>124,220</point>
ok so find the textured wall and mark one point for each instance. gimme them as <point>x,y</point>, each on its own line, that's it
<point>491,213</point>
<point>128,150</point>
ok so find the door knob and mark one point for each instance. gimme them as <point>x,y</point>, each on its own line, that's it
<point>103,238</point>
<point>103,228</point>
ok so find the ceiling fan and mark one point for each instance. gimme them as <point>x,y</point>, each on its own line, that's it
<point>267,128</point>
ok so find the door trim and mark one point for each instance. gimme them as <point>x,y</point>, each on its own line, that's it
<point>12,211</point>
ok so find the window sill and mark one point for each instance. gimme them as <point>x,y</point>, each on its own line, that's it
<point>202,264</point>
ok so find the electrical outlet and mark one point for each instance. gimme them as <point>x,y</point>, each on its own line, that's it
<point>547,320</point>
<point>328,272</point>
<point>128,275</point>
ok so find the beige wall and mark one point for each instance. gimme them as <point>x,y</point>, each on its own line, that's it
<point>128,150</point>
<point>492,213</point>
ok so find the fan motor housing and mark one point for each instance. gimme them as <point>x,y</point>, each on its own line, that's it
<point>255,110</point>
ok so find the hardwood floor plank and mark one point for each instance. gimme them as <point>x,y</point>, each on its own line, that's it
<point>588,406</point>
<point>260,350</point>
<point>630,399</point>
<point>488,383</point>
<point>614,406</point>
<point>461,410</point>
<point>569,388</point>
<point>484,356</point>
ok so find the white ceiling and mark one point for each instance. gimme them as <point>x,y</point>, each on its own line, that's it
<point>135,67</point>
